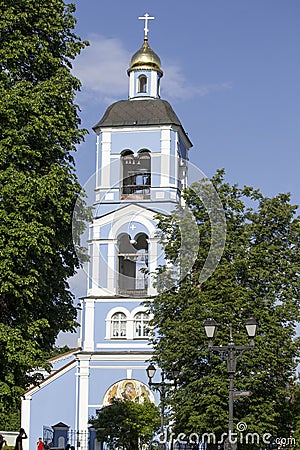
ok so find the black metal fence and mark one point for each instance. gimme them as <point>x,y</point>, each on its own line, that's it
<point>79,439</point>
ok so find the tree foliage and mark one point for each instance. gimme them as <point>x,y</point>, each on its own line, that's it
<point>39,128</point>
<point>257,276</point>
<point>127,424</point>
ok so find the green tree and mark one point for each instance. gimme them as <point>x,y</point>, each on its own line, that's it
<point>39,129</point>
<point>257,276</point>
<point>127,424</point>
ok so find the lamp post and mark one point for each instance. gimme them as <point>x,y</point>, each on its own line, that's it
<point>233,353</point>
<point>161,387</point>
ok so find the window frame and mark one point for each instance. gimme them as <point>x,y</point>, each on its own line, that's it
<point>131,334</point>
<point>142,84</point>
<point>121,322</point>
<point>144,321</point>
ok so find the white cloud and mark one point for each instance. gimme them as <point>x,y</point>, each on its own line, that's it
<point>177,87</point>
<point>102,69</point>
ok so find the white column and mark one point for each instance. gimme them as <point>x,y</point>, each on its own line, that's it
<point>153,262</point>
<point>165,143</point>
<point>84,372</point>
<point>129,330</point>
<point>89,318</point>
<point>98,149</point>
<point>154,84</point>
<point>112,267</point>
<point>131,85</point>
<point>25,419</point>
<point>177,161</point>
<point>95,265</point>
<point>77,396</point>
<point>105,166</point>
<point>79,340</point>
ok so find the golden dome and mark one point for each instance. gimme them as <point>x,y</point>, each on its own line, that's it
<point>145,58</point>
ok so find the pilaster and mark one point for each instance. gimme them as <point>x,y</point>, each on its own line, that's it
<point>88,344</point>
<point>25,419</point>
<point>165,156</point>
<point>83,373</point>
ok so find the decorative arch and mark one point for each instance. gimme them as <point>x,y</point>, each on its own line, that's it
<point>127,154</point>
<point>144,150</point>
<point>116,309</point>
<point>138,309</point>
<point>126,218</point>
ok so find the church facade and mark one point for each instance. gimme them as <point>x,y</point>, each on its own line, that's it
<point>142,158</point>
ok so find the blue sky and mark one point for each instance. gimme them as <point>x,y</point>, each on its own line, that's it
<point>231,72</point>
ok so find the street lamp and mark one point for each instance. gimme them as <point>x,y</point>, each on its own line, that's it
<point>161,387</point>
<point>210,326</point>
<point>150,372</point>
<point>233,353</point>
<point>251,326</point>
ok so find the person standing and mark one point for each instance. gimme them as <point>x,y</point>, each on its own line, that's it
<point>19,441</point>
<point>2,441</point>
<point>40,444</point>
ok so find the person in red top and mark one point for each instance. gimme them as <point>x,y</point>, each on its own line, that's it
<point>40,444</point>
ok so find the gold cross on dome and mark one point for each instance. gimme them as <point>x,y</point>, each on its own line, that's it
<point>146,17</point>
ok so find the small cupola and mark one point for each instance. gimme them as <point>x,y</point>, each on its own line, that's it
<point>145,69</point>
<point>145,58</point>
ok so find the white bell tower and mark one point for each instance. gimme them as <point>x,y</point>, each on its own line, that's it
<point>142,157</point>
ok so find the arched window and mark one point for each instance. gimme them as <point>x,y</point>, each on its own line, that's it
<point>118,325</point>
<point>133,265</point>
<point>142,84</point>
<point>141,325</point>
<point>136,175</point>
